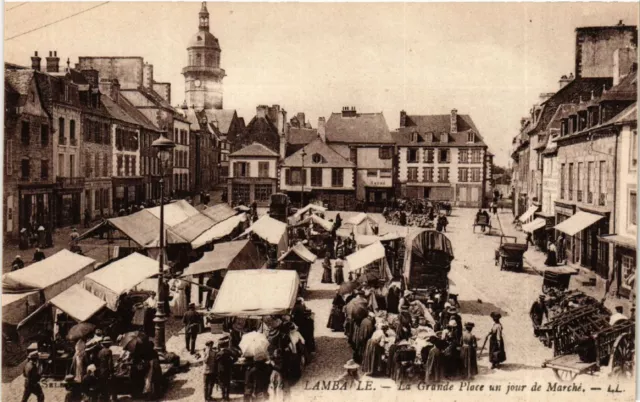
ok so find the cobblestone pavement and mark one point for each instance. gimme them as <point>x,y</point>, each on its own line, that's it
<point>482,288</point>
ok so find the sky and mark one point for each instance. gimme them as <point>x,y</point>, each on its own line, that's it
<point>488,60</point>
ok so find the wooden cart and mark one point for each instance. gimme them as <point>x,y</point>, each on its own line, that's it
<point>483,221</point>
<point>583,342</point>
<point>510,253</point>
<point>555,279</point>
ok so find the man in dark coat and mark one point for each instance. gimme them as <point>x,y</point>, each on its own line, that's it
<point>210,365</point>
<point>537,312</point>
<point>105,370</point>
<point>225,359</point>
<point>192,322</point>
<point>32,379</point>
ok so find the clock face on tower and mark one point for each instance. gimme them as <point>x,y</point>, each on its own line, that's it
<point>198,83</point>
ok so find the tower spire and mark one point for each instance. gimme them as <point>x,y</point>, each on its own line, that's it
<point>204,18</point>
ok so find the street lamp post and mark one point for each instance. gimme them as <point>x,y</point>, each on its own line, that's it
<point>302,179</point>
<point>164,146</point>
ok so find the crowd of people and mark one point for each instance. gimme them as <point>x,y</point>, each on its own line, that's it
<point>405,337</point>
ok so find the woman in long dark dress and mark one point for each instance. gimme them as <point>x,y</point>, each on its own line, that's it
<point>435,367</point>
<point>326,265</point>
<point>339,274</point>
<point>337,317</point>
<point>497,353</point>
<point>468,353</point>
<point>552,257</point>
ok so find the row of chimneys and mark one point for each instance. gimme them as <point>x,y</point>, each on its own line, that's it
<point>53,62</point>
<point>453,120</point>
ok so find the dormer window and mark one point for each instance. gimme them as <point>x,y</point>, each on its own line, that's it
<point>414,137</point>
<point>316,158</point>
<point>444,137</point>
<point>471,136</point>
<point>429,137</point>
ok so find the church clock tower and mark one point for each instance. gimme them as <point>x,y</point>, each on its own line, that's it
<point>203,75</point>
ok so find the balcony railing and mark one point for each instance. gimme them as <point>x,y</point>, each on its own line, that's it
<point>73,141</point>
<point>590,197</point>
<point>70,182</point>
<point>579,197</point>
<point>602,199</point>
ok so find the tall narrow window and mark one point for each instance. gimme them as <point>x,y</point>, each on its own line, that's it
<point>24,168</point>
<point>412,174</point>
<point>337,177</point>
<point>44,169</point>
<point>316,177</point>
<point>443,175</point>
<point>463,174</point>
<point>633,208</point>
<point>72,132</point>
<point>634,149</point>
<point>61,137</point>
<point>412,155</point>
<point>590,167</point>
<point>428,155</point>
<point>570,190</point>
<point>25,132</point>
<point>263,169</point>
<point>562,180</point>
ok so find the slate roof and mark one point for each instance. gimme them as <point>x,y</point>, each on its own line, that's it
<point>628,115</point>
<point>132,111</point>
<point>223,116</point>
<point>255,149</point>
<point>438,124</point>
<point>571,93</point>
<point>626,90</point>
<point>562,112</point>
<point>330,158</point>
<point>301,136</point>
<point>20,80</point>
<point>363,128</point>
<point>116,111</point>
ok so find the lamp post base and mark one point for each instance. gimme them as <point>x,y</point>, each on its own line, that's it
<point>159,341</point>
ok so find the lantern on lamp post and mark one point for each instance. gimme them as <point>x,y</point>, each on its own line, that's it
<point>164,146</point>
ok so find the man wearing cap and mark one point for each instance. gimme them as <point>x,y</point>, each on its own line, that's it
<point>403,327</point>
<point>210,365</point>
<point>537,313</point>
<point>454,316</point>
<point>90,384</point>
<point>38,255</point>
<point>105,369</point>
<point>32,379</point>
<point>192,322</point>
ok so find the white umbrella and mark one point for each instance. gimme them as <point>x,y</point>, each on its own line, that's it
<point>255,344</point>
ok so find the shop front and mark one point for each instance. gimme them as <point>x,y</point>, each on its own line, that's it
<point>624,264</point>
<point>36,206</point>
<point>376,198</point>
<point>247,190</point>
<point>585,227</point>
<point>127,192</point>
<point>564,212</point>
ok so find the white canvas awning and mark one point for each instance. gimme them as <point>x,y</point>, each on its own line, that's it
<point>528,214</point>
<point>533,225</point>
<point>308,208</point>
<point>578,222</point>
<point>119,277</point>
<point>257,292</point>
<point>365,256</point>
<point>268,229</point>
<point>323,223</point>
<point>300,250</point>
<point>78,303</point>
<point>219,231</point>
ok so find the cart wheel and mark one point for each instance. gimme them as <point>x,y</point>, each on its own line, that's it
<point>564,375</point>
<point>621,362</point>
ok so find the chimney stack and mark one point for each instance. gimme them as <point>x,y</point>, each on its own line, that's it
<point>111,87</point>
<point>349,111</point>
<point>261,111</point>
<point>403,118</point>
<point>53,62</point>
<point>301,118</point>
<point>564,80</point>
<point>321,129</point>
<point>147,76</point>
<point>35,61</point>
<point>454,121</point>
<point>623,60</point>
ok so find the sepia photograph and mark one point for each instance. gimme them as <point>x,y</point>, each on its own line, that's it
<point>297,201</point>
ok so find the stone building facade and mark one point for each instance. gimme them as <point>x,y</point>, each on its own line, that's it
<point>28,196</point>
<point>253,175</point>
<point>441,158</point>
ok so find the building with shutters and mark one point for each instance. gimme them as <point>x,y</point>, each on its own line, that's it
<point>441,158</point>
<point>253,175</point>
<point>318,172</point>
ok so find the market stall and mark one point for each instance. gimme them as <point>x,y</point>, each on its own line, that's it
<point>309,209</point>
<point>370,260</point>
<point>298,258</point>
<point>361,224</point>
<point>270,235</point>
